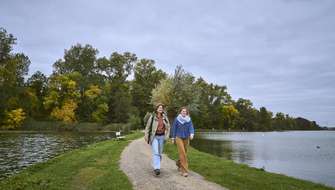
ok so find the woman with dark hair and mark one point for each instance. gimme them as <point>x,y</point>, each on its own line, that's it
<point>182,133</point>
<point>157,130</point>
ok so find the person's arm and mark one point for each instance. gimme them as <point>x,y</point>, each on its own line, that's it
<point>191,129</point>
<point>146,130</point>
<point>174,129</point>
<point>167,128</point>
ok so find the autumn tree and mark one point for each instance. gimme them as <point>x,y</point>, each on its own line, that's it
<point>62,98</point>
<point>230,115</point>
<point>13,68</point>
<point>14,118</point>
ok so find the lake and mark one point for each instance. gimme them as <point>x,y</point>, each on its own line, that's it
<point>19,150</point>
<point>306,155</point>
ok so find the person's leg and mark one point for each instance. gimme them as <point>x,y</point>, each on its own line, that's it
<point>155,154</point>
<point>182,155</point>
<point>185,143</point>
<point>161,145</point>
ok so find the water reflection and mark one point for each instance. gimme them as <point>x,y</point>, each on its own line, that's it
<point>218,148</point>
<point>18,151</point>
<point>307,155</point>
<point>239,151</point>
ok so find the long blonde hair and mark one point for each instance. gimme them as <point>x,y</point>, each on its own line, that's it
<point>184,107</point>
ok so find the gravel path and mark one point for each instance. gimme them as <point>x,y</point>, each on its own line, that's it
<point>136,163</point>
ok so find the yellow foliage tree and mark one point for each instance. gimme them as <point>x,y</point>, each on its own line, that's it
<point>51,100</point>
<point>14,118</point>
<point>230,115</point>
<point>66,113</point>
<point>162,93</point>
<point>62,98</point>
<point>93,92</point>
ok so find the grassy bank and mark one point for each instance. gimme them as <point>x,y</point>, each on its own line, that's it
<point>239,176</point>
<point>34,125</point>
<point>93,167</point>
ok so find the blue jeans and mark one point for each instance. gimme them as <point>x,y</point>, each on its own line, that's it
<point>157,150</point>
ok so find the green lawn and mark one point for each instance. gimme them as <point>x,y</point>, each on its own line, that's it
<point>239,176</point>
<point>93,167</point>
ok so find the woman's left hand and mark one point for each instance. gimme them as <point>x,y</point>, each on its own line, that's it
<point>191,136</point>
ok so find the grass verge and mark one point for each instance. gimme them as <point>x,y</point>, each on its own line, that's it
<point>93,167</point>
<point>239,176</point>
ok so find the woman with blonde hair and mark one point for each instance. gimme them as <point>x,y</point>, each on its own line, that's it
<point>181,134</point>
<point>157,130</point>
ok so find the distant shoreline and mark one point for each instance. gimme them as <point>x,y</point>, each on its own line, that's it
<point>111,128</point>
<point>215,130</point>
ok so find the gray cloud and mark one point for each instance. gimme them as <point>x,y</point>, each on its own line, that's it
<point>277,53</point>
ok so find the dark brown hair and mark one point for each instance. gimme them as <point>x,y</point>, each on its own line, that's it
<point>157,105</point>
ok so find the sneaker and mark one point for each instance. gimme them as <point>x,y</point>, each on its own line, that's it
<point>185,174</point>
<point>157,171</point>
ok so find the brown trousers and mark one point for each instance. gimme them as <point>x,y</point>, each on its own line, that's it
<point>182,163</point>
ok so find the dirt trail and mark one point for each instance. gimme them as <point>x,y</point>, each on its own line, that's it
<point>136,164</point>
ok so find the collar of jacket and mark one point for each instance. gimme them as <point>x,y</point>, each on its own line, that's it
<point>156,118</point>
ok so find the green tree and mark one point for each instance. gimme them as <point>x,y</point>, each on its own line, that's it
<point>118,67</point>
<point>177,91</point>
<point>116,70</point>
<point>13,68</point>
<point>163,92</point>
<point>36,91</point>
<point>100,114</point>
<point>202,118</point>
<point>78,58</point>
<point>279,121</point>
<point>264,119</point>
<point>146,78</point>
<point>247,119</point>
<point>218,96</point>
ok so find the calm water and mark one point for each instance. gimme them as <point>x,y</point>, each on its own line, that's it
<point>18,151</point>
<point>307,155</point>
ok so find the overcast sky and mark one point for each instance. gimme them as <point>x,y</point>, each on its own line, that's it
<point>279,54</point>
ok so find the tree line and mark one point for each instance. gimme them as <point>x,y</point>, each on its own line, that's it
<point>120,88</point>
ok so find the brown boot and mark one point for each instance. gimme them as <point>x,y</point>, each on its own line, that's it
<point>178,165</point>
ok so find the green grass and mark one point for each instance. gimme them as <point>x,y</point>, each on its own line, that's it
<point>239,176</point>
<point>97,167</point>
<point>93,167</point>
